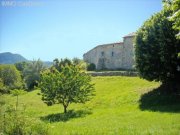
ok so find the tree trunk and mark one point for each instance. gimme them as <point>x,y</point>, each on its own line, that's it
<point>17,103</point>
<point>65,108</point>
<point>170,87</point>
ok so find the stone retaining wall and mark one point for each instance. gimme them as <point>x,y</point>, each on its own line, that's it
<point>114,73</point>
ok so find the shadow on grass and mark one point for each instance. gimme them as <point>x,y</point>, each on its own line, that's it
<point>158,100</point>
<point>65,116</point>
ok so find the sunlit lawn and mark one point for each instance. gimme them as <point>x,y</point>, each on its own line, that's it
<point>117,109</point>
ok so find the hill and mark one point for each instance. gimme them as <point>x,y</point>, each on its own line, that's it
<point>121,106</point>
<point>10,58</point>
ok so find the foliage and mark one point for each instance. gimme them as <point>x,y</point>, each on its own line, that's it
<point>174,6</point>
<point>3,89</point>
<point>65,87</point>
<point>10,77</point>
<point>80,63</point>
<point>16,93</point>
<point>21,65</point>
<point>91,67</point>
<point>76,61</point>
<point>31,73</point>
<point>156,49</point>
<point>15,122</point>
<point>58,64</point>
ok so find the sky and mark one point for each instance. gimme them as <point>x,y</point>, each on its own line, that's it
<point>49,29</point>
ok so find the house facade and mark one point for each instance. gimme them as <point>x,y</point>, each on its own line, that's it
<point>114,56</point>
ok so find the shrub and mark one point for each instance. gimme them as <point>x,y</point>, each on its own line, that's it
<point>91,67</point>
<point>15,122</point>
<point>10,78</point>
<point>31,73</point>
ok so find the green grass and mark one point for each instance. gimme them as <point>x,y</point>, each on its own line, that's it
<point>121,106</point>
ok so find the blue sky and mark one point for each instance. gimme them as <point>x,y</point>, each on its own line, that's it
<point>69,28</point>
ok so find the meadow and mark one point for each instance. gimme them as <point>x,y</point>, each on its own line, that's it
<point>121,106</point>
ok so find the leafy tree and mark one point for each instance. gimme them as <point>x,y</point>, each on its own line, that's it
<point>16,93</point>
<point>1,83</point>
<point>10,77</point>
<point>76,61</point>
<point>58,64</point>
<point>156,50</point>
<point>32,73</point>
<point>65,87</point>
<point>3,89</point>
<point>174,6</point>
<point>21,66</point>
<point>80,63</point>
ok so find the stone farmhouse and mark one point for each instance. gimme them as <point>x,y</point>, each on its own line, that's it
<point>113,56</point>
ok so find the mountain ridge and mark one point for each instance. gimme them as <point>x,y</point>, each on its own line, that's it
<point>12,58</point>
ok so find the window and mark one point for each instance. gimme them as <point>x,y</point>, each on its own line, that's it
<point>112,54</point>
<point>102,53</point>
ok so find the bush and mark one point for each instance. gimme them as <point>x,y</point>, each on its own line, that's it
<point>10,78</point>
<point>31,73</point>
<point>14,122</point>
<point>91,67</point>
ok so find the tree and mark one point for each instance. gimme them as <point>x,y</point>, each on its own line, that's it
<point>174,6</point>
<point>156,50</point>
<point>80,63</point>
<point>65,87</point>
<point>21,65</point>
<point>58,64</point>
<point>10,77</point>
<point>3,89</point>
<point>16,93</point>
<point>31,73</point>
<point>76,61</point>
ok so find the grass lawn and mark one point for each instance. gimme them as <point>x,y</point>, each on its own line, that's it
<point>122,106</point>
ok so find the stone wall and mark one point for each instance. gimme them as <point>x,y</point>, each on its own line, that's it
<point>128,53</point>
<point>114,73</point>
<point>112,56</point>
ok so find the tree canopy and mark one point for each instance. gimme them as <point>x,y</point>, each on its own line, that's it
<point>174,6</point>
<point>31,73</point>
<point>58,64</point>
<point>156,49</point>
<point>70,85</point>
<point>10,77</point>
